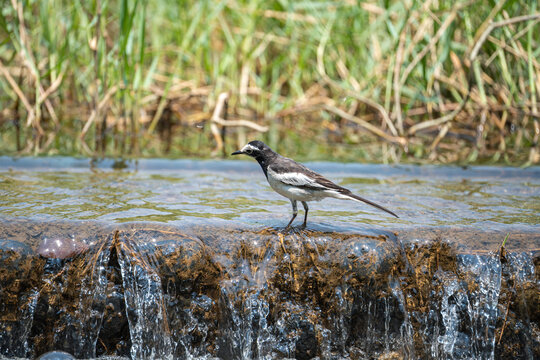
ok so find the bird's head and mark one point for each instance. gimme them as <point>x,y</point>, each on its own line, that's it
<point>254,149</point>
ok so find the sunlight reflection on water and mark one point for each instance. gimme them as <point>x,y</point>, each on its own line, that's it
<point>175,190</point>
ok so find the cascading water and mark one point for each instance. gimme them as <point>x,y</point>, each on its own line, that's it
<point>19,294</point>
<point>60,303</point>
<point>157,292</point>
<point>482,273</point>
<point>145,304</point>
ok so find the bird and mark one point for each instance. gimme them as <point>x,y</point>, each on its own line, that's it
<point>296,182</point>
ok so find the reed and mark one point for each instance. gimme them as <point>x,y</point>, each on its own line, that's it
<point>380,81</point>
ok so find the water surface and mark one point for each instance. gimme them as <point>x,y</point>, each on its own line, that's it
<point>497,199</point>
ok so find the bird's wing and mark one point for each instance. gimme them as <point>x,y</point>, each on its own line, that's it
<point>290,172</point>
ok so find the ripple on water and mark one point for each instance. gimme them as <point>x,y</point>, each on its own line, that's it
<point>170,191</point>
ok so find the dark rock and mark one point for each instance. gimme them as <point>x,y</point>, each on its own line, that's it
<point>20,277</point>
<point>14,247</point>
<point>307,344</point>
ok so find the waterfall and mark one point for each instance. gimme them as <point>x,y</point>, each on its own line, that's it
<point>144,291</point>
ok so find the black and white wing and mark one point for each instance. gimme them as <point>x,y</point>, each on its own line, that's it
<point>292,173</point>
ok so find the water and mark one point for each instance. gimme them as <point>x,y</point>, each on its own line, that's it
<point>188,259</point>
<point>187,190</point>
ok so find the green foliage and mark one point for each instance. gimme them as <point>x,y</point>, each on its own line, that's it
<point>137,63</point>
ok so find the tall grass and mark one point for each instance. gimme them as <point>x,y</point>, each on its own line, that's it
<point>381,81</point>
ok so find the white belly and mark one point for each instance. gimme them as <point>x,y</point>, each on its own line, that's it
<point>296,193</point>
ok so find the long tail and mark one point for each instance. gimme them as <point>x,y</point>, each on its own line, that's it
<point>356,197</point>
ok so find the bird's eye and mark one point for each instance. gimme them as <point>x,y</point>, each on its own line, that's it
<point>249,151</point>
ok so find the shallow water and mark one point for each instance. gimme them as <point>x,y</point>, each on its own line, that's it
<point>177,191</point>
<point>188,259</point>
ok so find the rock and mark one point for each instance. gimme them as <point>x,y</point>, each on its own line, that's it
<point>306,345</point>
<point>12,246</point>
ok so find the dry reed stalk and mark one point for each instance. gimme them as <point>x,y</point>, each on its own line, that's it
<point>401,55</point>
<point>217,119</point>
<point>98,108</point>
<point>31,115</point>
<point>399,81</point>
<point>436,122</point>
<point>30,63</point>
<point>287,16</point>
<point>375,130</point>
<point>373,104</point>
<point>430,47</point>
<point>241,122</point>
<point>440,136</point>
<point>100,122</point>
<point>396,85</point>
<point>54,86</point>
<point>306,106</point>
<point>356,95</point>
<point>492,26</point>
<point>518,54</point>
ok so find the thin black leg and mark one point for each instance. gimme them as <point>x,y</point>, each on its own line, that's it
<point>294,213</point>
<point>305,216</point>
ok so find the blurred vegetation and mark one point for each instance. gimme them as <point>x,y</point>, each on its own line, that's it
<point>378,81</point>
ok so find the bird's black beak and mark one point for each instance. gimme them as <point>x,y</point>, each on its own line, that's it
<point>237,152</point>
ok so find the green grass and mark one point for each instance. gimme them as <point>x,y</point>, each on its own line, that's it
<point>141,78</point>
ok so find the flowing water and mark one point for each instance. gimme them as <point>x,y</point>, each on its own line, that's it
<point>164,259</point>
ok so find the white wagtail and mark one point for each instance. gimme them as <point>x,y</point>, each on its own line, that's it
<point>295,181</point>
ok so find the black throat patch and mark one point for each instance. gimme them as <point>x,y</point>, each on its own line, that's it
<point>264,164</point>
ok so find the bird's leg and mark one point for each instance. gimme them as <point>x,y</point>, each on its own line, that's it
<point>294,212</point>
<point>306,211</point>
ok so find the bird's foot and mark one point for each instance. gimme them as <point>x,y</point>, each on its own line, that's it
<point>294,229</point>
<point>290,229</point>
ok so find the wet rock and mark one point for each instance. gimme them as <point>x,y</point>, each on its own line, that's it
<point>56,355</point>
<point>16,263</point>
<point>61,247</point>
<point>369,257</point>
<point>114,337</point>
<point>9,247</point>
<point>306,345</point>
<point>215,291</point>
<point>20,277</point>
